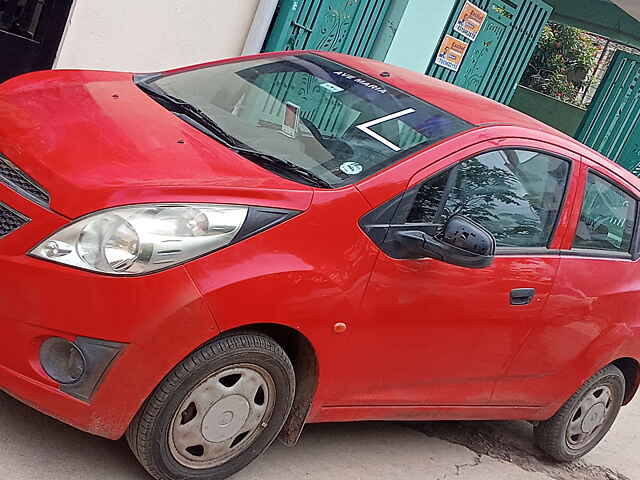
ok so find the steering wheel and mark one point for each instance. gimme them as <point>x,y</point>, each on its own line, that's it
<point>339,148</point>
<point>313,129</point>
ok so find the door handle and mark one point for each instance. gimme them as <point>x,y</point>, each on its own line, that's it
<point>522,296</point>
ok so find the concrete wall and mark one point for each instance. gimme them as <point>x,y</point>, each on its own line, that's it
<point>387,33</point>
<point>560,115</point>
<point>419,33</point>
<point>148,35</point>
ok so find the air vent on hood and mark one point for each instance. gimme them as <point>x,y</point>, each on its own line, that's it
<point>19,181</point>
<point>10,220</point>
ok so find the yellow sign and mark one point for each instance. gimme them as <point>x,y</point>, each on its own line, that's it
<point>470,21</point>
<point>451,53</point>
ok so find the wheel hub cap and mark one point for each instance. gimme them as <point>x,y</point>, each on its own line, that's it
<point>225,418</point>
<point>594,418</point>
<point>222,416</point>
<point>593,411</point>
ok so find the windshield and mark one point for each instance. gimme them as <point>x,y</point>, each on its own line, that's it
<point>312,114</point>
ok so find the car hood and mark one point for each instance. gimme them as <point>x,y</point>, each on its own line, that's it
<point>94,140</point>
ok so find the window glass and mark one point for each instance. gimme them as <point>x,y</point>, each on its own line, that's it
<point>607,217</point>
<point>515,194</point>
<point>428,202</point>
<point>332,121</point>
<point>21,17</point>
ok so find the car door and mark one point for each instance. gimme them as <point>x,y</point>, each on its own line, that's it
<point>594,302</point>
<point>440,334</point>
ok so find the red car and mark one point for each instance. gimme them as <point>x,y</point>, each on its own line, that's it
<point>210,257</point>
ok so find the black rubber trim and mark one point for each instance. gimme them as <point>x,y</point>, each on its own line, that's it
<point>260,219</point>
<point>377,222</point>
<point>532,251</point>
<point>589,252</point>
<point>635,241</point>
<point>98,356</point>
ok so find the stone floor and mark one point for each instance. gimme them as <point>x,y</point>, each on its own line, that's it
<point>37,447</point>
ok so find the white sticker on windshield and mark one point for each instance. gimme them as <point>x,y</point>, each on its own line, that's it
<point>361,81</point>
<point>365,127</point>
<point>331,87</point>
<point>351,168</point>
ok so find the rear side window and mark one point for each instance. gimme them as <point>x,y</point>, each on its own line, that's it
<point>515,194</point>
<point>607,218</point>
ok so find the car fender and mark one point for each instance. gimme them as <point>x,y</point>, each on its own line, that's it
<point>618,341</point>
<point>158,345</point>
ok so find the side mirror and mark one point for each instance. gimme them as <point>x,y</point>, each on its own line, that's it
<point>462,233</point>
<point>463,243</point>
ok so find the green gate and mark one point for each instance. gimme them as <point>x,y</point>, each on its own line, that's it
<point>612,123</point>
<point>354,27</point>
<point>347,26</point>
<point>496,60</point>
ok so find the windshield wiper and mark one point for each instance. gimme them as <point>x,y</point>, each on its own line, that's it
<point>207,125</point>
<point>193,113</point>
<point>285,166</point>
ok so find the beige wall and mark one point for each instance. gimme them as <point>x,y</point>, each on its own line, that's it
<point>149,35</point>
<point>632,7</point>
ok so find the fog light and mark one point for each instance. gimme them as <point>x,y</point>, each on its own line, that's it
<point>62,360</point>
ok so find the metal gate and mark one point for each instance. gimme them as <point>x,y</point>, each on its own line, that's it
<point>347,26</point>
<point>612,123</point>
<point>30,33</point>
<point>496,60</point>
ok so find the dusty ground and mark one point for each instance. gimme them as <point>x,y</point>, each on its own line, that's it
<point>34,446</point>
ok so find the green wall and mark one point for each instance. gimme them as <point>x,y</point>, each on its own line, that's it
<point>418,33</point>
<point>560,115</point>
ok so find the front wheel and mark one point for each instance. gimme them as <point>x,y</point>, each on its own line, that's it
<point>585,418</point>
<point>216,411</point>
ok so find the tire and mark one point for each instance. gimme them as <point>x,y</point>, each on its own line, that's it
<point>235,383</point>
<point>567,435</point>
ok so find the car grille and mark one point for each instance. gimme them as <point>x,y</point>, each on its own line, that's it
<point>19,181</point>
<point>10,220</point>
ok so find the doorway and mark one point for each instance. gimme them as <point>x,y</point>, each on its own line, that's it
<point>30,33</point>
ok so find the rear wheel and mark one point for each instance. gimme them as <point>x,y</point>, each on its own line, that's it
<point>585,418</point>
<point>216,411</point>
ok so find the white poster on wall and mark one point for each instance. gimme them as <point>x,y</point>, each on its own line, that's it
<point>470,21</point>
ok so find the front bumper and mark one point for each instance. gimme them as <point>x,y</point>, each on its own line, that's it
<point>158,319</point>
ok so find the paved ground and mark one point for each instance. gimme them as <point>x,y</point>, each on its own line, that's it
<point>34,446</point>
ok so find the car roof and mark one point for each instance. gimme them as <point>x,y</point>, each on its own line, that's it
<point>462,103</point>
<point>469,106</point>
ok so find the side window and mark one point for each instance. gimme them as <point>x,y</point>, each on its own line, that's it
<point>607,218</point>
<point>515,194</point>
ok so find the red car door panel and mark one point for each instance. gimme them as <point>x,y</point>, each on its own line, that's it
<point>445,332</point>
<point>593,306</point>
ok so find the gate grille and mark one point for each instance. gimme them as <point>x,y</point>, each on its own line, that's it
<point>612,121</point>
<point>346,26</point>
<point>517,25</point>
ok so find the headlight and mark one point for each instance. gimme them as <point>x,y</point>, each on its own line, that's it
<point>145,238</point>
